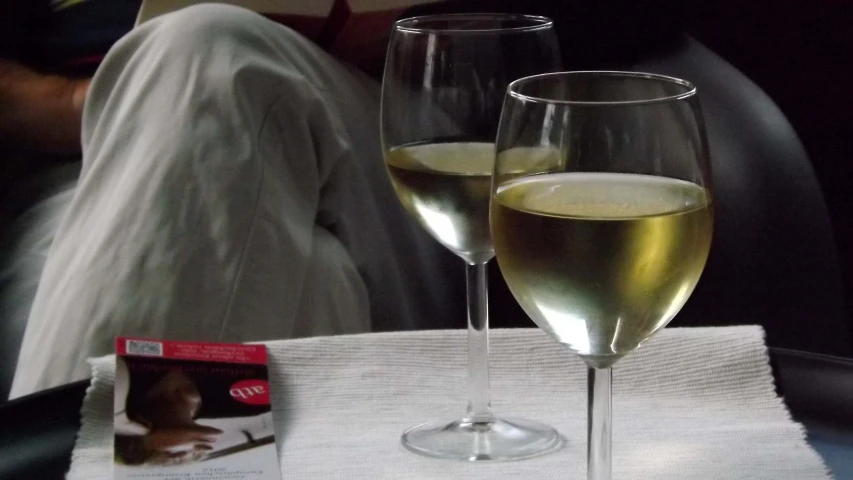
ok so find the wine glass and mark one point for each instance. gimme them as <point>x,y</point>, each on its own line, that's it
<point>601,215</point>
<point>444,83</point>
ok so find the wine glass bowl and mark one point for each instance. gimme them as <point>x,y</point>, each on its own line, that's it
<point>443,88</point>
<point>594,267</point>
<point>601,214</point>
<point>446,188</point>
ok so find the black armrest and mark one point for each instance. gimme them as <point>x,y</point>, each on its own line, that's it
<point>37,433</point>
<point>818,389</point>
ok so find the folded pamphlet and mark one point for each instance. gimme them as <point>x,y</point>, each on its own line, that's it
<point>194,411</point>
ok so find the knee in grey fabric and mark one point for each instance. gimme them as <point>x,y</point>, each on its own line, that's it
<point>206,148</point>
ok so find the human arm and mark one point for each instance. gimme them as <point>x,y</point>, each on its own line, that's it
<point>40,112</point>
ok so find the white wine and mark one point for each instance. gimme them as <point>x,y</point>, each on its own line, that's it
<point>446,188</point>
<point>601,261</point>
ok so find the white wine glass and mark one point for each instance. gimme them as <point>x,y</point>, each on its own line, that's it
<point>601,215</point>
<point>442,92</point>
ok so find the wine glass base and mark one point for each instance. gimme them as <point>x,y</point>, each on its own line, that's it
<point>500,439</point>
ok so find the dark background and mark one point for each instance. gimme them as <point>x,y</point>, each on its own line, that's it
<point>801,54</point>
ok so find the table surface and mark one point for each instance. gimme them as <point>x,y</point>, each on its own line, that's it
<point>38,432</point>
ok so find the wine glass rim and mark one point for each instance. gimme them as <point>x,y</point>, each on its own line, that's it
<point>690,88</point>
<point>536,22</point>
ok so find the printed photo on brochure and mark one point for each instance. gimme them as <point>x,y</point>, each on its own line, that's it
<point>193,410</point>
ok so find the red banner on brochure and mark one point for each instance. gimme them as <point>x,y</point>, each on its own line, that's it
<point>200,351</point>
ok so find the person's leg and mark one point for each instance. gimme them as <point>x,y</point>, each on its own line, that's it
<point>225,178</point>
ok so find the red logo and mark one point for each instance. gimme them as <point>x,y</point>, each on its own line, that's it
<point>253,392</point>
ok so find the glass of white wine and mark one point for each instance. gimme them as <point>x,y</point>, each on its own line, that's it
<point>601,215</point>
<point>442,92</point>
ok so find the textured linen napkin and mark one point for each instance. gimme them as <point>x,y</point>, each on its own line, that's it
<point>693,403</point>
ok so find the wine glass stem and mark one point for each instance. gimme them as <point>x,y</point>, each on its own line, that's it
<point>598,426</point>
<point>479,404</point>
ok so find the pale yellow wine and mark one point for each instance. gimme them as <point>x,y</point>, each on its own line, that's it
<point>446,188</point>
<point>601,261</point>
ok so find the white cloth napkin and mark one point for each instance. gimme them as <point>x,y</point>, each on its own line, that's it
<point>693,403</point>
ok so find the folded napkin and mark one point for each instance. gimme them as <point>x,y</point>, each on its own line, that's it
<point>691,403</point>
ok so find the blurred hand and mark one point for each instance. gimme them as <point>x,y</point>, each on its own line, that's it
<point>195,437</point>
<point>80,88</point>
<point>40,112</point>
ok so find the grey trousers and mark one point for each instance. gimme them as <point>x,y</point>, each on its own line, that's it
<point>232,189</point>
